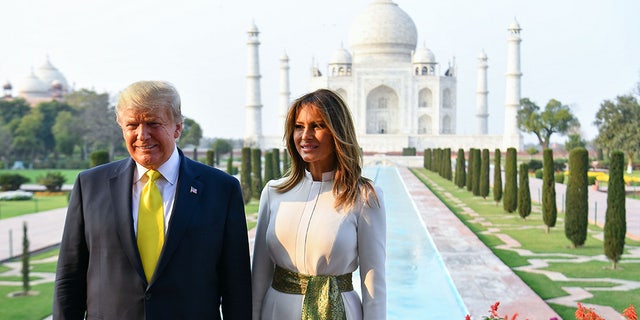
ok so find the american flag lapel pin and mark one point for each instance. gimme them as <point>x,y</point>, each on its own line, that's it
<point>193,190</point>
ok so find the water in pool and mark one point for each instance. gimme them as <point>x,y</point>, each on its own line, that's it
<point>418,284</point>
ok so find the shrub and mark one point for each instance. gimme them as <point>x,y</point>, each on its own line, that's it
<point>615,226</point>
<point>510,199</point>
<point>524,194</point>
<point>256,173</point>
<point>559,164</point>
<point>275,153</point>
<point>210,157</point>
<point>484,174</point>
<point>461,177</point>
<point>98,157</point>
<point>426,162</point>
<point>558,177</point>
<point>411,151</point>
<point>497,177</point>
<point>268,167</point>
<point>549,209</point>
<point>12,181</point>
<point>538,174</point>
<point>534,165</point>
<point>477,164</point>
<point>53,181</point>
<point>576,215</point>
<point>245,174</point>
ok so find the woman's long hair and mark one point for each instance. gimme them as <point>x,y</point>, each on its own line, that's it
<point>350,185</point>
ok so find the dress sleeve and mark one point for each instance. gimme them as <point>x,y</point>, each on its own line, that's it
<point>262,269</point>
<point>372,231</point>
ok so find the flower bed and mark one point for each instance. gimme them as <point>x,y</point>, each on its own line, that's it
<point>16,195</point>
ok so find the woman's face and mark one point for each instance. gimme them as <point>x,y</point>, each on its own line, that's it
<point>313,140</point>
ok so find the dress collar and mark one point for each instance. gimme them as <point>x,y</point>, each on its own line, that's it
<point>326,176</point>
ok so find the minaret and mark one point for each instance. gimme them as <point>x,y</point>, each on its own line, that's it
<point>253,135</point>
<point>482,94</point>
<point>512,137</point>
<point>285,94</point>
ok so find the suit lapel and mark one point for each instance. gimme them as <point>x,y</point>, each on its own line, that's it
<point>120,185</point>
<point>188,192</point>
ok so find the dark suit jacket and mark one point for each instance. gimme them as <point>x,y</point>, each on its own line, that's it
<point>204,263</point>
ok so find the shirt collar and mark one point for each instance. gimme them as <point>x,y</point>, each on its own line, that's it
<point>169,169</point>
<point>326,176</point>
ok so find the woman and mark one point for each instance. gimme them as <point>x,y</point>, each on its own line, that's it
<point>320,223</point>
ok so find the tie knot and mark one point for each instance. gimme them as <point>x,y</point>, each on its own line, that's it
<point>153,175</point>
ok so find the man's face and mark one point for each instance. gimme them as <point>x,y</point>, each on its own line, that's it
<point>150,136</point>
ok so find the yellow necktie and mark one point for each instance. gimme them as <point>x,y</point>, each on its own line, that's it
<point>150,224</point>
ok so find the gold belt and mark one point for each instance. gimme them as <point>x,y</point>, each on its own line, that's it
<point>322,298</point>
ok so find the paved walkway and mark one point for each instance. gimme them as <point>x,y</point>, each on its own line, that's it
<point>597,206</point>
<point>480,276</point>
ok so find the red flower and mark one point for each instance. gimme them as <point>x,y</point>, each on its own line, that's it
<point>630,313</point>
<point>494,309</point>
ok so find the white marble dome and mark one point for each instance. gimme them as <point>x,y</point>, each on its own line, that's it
<point>340,56</point>
<point>50,75</point>
<point>383,32</point>
<point>32,85</point>
<point>424,55</point>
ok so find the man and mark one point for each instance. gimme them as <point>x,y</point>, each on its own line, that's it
<point>157,235</point>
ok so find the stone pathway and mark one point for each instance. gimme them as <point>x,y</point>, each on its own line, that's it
<point>537,262</point>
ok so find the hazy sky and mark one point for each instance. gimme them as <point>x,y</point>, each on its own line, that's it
<point>579,52</point>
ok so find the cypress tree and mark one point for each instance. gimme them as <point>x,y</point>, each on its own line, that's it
<point>426,158</point>
<point>510,199</point>
<point>477,165</point>
<point>576,217</point>
<point>209,158</point>
<point>484,174</point>
<point>615,226</point>
<point>256,173</point>
<point>26,286</point>
<point>447,167</point>
<point>461,178</point>
<point>469,183</point>
<point>286,163</point>
<point>549,209</point>
<point>230,164</point>
<point>497,177</point>
<point>435,167</point>
<point>524,194</point>
<point>268,167</point>
<point>277,173</point>
<point>245,174</point>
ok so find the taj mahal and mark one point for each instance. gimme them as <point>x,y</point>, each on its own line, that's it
<point>400,95</point>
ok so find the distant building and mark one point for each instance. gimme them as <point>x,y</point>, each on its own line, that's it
<point>44,83</point>
<point>401,96</point>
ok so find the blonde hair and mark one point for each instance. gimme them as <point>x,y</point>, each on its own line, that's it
<point>151,95</point>
<point>350,186</point>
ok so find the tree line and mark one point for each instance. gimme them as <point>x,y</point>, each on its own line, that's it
<point>63,133</point>
<point>472,174</point>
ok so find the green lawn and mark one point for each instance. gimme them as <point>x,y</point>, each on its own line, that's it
<point>531,235</point>
<point>15,208</point>
<point>38,306</point>
<point>35,306</point>
<point>33,174</point>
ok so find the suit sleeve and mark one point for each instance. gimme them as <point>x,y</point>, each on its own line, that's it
<point>70,295</point>
<point>263,267</point>
<point>372,230</point>
<point>236,268</point>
